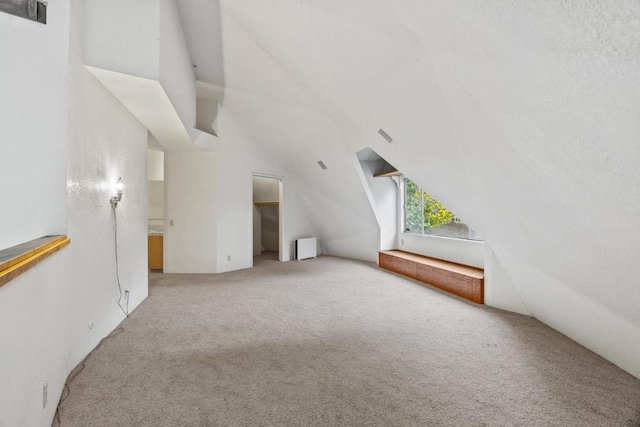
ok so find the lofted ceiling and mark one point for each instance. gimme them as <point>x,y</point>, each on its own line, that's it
<point>522,117</point>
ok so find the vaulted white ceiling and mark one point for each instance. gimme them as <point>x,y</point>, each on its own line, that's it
<point>522,117</point>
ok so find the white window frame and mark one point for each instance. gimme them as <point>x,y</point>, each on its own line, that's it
<point>402,217</point>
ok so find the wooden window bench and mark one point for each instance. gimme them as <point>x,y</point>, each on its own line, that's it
<point>464,281</point>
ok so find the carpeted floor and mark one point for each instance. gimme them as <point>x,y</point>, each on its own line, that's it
<point>331,341</point>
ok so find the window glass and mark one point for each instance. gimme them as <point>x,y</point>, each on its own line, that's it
<point>425,215</point>
<point>413,208</point>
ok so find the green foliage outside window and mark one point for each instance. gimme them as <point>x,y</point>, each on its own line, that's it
<point>422,210</point>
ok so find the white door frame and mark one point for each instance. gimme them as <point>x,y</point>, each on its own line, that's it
<point>280,212</point>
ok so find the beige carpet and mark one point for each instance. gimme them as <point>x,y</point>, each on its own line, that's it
<point>331,341</point>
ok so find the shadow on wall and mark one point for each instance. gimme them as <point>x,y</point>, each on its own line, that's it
<point>270,228</point>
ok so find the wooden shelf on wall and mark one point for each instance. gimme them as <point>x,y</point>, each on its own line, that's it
<point>19,259</point>
<point>266,203</point>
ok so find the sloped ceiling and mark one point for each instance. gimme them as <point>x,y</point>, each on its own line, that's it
<point>522,117</point>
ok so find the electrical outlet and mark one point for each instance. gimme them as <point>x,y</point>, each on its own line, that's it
<point>90,324</point>
<point>228,257</point>
<point>171,222</point>
<point>402,242</point>
<point>45,394</point>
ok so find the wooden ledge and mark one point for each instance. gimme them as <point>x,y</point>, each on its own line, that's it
<point>467,270</point>
<point>462,280</point>
<point>18,259</point>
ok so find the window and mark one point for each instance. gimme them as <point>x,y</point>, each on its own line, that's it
<point>425,215</point>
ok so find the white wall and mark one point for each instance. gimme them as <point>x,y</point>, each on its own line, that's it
<point>191,212</point>
<point>33,152</point>
<point>334,199</point>
<point>137,49</point>
<point>123,36</point>
<point>155,187</point>
<point>33,125</point>
<point>105,142</point>
<point>467,252</point>
<point>34,311</point>
<point>206,115</point>
<point>65,158</point>
<point>267,94</point>
<point>208,195</point>
<point>155,200</point>
<point>239,158</point>
<point>383,192</point>
<point>176,70</point>
<point>155,163</point>
<point>499,290</point>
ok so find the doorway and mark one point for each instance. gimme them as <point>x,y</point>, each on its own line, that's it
<point>267,216</point>
<point>155,209</point>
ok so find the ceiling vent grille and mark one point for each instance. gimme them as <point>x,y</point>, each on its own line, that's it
<point>385,136</point>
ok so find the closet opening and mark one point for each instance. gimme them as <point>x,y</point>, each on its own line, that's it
<point>267,216</point>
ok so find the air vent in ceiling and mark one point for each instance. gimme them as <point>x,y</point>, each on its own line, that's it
<point>322,165</point>
<point>385,136</point>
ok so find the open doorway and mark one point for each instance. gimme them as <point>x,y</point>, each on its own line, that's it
<point>155,209</point>
<point>267,216</point>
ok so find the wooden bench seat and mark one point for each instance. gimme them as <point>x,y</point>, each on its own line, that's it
<point>462,280</point>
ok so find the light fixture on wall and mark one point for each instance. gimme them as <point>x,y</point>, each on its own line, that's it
<point>114,200</point>
<point>118,194</point>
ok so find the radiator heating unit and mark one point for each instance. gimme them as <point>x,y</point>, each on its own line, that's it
<point>306,248</point>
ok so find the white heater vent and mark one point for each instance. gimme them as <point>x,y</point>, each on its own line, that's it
<point>306,248</point>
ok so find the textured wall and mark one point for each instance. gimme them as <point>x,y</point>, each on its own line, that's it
<point>33,151</point>
<point>34,317</point>
<point>57,312</point>
<point>105,142</point>
<point>33,125</point>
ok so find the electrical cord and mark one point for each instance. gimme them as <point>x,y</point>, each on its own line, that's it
<point>115,236</point>
<point>66,390</point>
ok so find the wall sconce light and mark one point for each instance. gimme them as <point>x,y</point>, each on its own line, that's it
<point>118,194</point>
